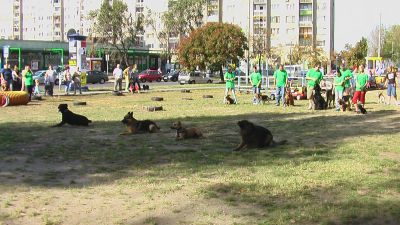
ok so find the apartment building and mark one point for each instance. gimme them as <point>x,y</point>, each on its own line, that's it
<point>277,23</point>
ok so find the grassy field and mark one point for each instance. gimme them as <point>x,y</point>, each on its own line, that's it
<point>338,168</point>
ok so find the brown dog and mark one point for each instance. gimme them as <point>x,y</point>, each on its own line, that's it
<point>138,126</point>
<point>229,100</point>
<point>185,133</point>
<point>254,136</point>
<point>330,98</point>
<point>289,100</point>
<point>344,106</point>
<point>381,98</point>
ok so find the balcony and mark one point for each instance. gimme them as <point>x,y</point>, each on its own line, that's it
<point>306,1</point>
<point>305,24</point>
<point>305,41</point>
<point>256,2</point>
<point>306,12</point>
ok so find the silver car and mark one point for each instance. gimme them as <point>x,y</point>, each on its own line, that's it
<point>39,75</point>
<point>194,77</point>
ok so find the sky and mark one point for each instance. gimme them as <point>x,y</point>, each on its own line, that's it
<point>357,18</point>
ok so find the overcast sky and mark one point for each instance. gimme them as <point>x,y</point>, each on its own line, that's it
<point>357,18</point>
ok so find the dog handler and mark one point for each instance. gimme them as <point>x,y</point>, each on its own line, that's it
<point>314,77</point>
<point>339,88</point>
<point>230,84</point>
<point>361,87</point>
<point>281,78</point>
<point>255,80</point>
<point>390,83</point>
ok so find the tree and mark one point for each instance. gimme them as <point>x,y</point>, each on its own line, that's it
<point>391,46</point>
<point>184,16</point>
<point>355,55</point>
<point>212,46</point>
<point>116,27</point>
<point>308,54</point>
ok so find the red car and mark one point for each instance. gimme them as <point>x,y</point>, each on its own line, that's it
<point>150,75</point>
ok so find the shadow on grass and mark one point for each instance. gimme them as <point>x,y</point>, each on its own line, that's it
<point>35,155</point>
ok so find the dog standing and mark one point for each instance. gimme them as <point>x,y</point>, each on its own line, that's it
<point>361,109</point>
<point>344,105</point>
<point>254,136</point>
<point>381,98</point>
<point>138,126</point>
<point>71,118</point>
<point>185,133</point>
<point>330,98</point>
<point>289,100</point>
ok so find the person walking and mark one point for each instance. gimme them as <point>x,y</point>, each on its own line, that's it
<point>230,84</point>
<point>339,88</point>
<point>117,73</point>
<point>280,81</point>
<point>67,80</point>
<point>28,80</point>
<point>6,76</point>
<point>76,78</point>
<point>390,83</point>
<point>49,81</point>
<point>127,74</point>
<point>255,80</point>
<point>314,77</point>
<point>361,80</point>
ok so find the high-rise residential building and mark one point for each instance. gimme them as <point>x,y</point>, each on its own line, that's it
<point>279,24</point>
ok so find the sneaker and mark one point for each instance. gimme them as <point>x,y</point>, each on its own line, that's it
<point>337,110</point>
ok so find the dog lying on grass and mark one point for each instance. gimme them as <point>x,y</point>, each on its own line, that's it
<point>71,118</point>
<point>254,136</point>
<point>138,126</point>
<point>185,133</point>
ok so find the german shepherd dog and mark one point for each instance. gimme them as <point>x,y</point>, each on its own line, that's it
<point>263,98</point>
<point>229,100</point>
<point>319,101</point>
<point>381,98</point>
<point>185,133</point>
<point>138,126</point>
<point>71,118</point>
<point>254,136</point>
<point>289,100</point>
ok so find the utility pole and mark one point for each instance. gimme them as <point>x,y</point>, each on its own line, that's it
<point>248,52</point>
<point>380,35</point>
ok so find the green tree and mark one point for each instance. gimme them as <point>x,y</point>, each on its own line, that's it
<point>391,44</point>
<point>212,46</point>
<point>115,26</point>
<point>308,54</point>
<point>355,55</point>
<point>183,16</point>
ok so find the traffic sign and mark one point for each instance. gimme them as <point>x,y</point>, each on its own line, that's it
<point>6,51</point>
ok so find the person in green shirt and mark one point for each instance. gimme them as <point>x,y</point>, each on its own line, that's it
<point>230,84</point>
<point>28,80</point>
<point>280,81</point>
<point>255,80</point>
<point>339,88</point>
<point>347,76</point>
<point>314,77</point>
<point>361,87</point>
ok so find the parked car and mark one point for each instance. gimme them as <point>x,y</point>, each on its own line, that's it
<point>150,75</point>
<point>94,77</point>
<point>194,77</point>
<point>39,75</point>
<point>172,76</point>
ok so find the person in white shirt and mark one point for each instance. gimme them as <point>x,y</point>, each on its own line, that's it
<point>117,73</point>
<point>49,81</point>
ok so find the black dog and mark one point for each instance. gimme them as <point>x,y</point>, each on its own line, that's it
<point>146,87</point>
<point>71,118</point>
<point>361,109</point>
<point>319,101</point>
<point>254,136</point>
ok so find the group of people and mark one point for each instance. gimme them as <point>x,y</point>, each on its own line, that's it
<point>347,86</point>
<point>130,75</point>
<point>72,80</point>
<point>14,80</point>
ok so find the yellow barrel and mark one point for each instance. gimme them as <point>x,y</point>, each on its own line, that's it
<point>16,97</point>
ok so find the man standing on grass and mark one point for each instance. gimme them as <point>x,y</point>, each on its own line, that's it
<point>255,80</point>
<point>314,77</point>
<point>127,75</point>
<point>117,73</point>
<point>280,81</point>
<point>339,88</point>
<point>6,76</point>
<point>230,84</point>
<point>347,76</point>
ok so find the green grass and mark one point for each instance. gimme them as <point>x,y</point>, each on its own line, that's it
<point>338,168</point>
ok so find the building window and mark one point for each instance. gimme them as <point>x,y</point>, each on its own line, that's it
<point>276,19</point>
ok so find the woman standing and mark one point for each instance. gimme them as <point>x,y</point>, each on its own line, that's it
<point>16,78</point>
<point>49,81</point>
<point>67,80</point>
<point>339,88</point>
<point>361,87</point>
<point>28,80</point>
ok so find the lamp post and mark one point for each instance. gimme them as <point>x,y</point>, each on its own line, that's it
<point>107,59</point>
